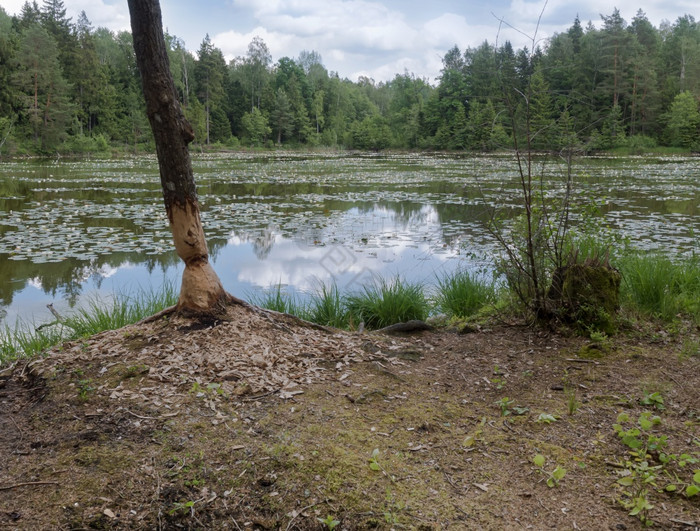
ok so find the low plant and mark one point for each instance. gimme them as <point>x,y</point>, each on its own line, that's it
<point>546,418</point>
<point>329,522</point>
<point>120,310</point>
<point>649,466</point>
<point>504,405</point>
<point>182,507</point>
<point>555,476</point>
<point>655,400</point>
<point>25,340</point>
<point>572,403</point>
<point>85,387</point>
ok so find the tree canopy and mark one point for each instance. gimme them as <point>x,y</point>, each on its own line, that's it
<point>66,86</point>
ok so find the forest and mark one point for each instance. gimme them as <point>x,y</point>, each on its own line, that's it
<point>66,87</point>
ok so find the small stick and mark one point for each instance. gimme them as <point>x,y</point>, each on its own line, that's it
<point>583,361</point>
<point>9,487</point>
<point>289,525</point>
<point>683,522</point>
<point>21,435</point>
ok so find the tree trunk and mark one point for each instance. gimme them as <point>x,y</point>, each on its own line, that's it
<point>201,291</point>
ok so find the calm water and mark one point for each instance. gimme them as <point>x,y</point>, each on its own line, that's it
<point>75,230</point>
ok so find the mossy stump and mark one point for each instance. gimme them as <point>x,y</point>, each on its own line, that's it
<point>588,295</point>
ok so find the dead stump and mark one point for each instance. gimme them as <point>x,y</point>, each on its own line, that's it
<point>587,295</point>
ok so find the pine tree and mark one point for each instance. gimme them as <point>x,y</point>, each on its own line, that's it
<point>46,108</point>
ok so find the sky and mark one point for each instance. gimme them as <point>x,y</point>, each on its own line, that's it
<point>372,38</point>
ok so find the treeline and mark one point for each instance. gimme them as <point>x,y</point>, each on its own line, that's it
<point>68,87</point>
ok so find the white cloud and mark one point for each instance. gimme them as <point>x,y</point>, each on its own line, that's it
<point>114,16</point>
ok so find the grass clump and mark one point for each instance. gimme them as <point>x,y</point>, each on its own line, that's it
<point>277,299</point>
<point>327,307</point>
<point>386,302</point>
<point>25,340</point>
<point>656,286</point>
<point>463,294</point>
<point>122,310</point>
<point>28,340</point>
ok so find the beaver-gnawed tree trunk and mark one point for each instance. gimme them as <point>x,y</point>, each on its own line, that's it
<point>201,291</point>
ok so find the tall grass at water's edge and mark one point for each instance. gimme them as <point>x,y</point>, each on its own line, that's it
<point>386,302</point>
<point>463,293</point>
<point>653,286</point>
<point>26,340</point>
<point>656,286</point>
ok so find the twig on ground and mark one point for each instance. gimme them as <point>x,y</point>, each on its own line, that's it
<point>301,511</point>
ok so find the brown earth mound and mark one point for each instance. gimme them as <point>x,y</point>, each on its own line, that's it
<point>262,421</point>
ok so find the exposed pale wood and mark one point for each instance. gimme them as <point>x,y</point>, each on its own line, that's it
<point>201,291</point>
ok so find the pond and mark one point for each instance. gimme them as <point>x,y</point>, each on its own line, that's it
<point>71,231</point>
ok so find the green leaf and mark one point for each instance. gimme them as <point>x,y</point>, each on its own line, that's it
<point>622,417</point>
<point>559,473</point>
<point>670,488</point>
<point>631,441</point>
<point>692,490</point>
<point>538,460</point>
<point>546,418</point>
<point>696,477</point>
<point>626,482</point>
<point>374,466</point>
<point>645,423</point>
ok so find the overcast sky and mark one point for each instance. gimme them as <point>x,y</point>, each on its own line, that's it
<point>374,38</point>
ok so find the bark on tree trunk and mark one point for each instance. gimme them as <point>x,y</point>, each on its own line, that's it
<point>201,291</point>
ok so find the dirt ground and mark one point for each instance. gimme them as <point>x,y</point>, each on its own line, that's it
<point>258,421</point>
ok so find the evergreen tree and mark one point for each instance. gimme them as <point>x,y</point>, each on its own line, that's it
<point>282,117</point>
<point>210,71</point>
<point>46,108</point>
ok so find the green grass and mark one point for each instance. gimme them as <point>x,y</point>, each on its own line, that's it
<point>24,340</point>
<point>123,309</point>
<point>27,340</point>
<point>275,298</point>
<point>656,286</point>
<point>327,307</point>
<point>463,294</point>
<point>386,302</point>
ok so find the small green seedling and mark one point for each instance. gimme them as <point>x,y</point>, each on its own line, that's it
<point>504,404</point>
<point>553,477</point>
<point>330,522</point>
<point>654,400</point>
<point>373,463</point>
<point>546,418</point>
<point>694,488</point>
<point>84,388</point>
<point>499,381</point>
<point>572,403</point>
<point>182,507</point>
